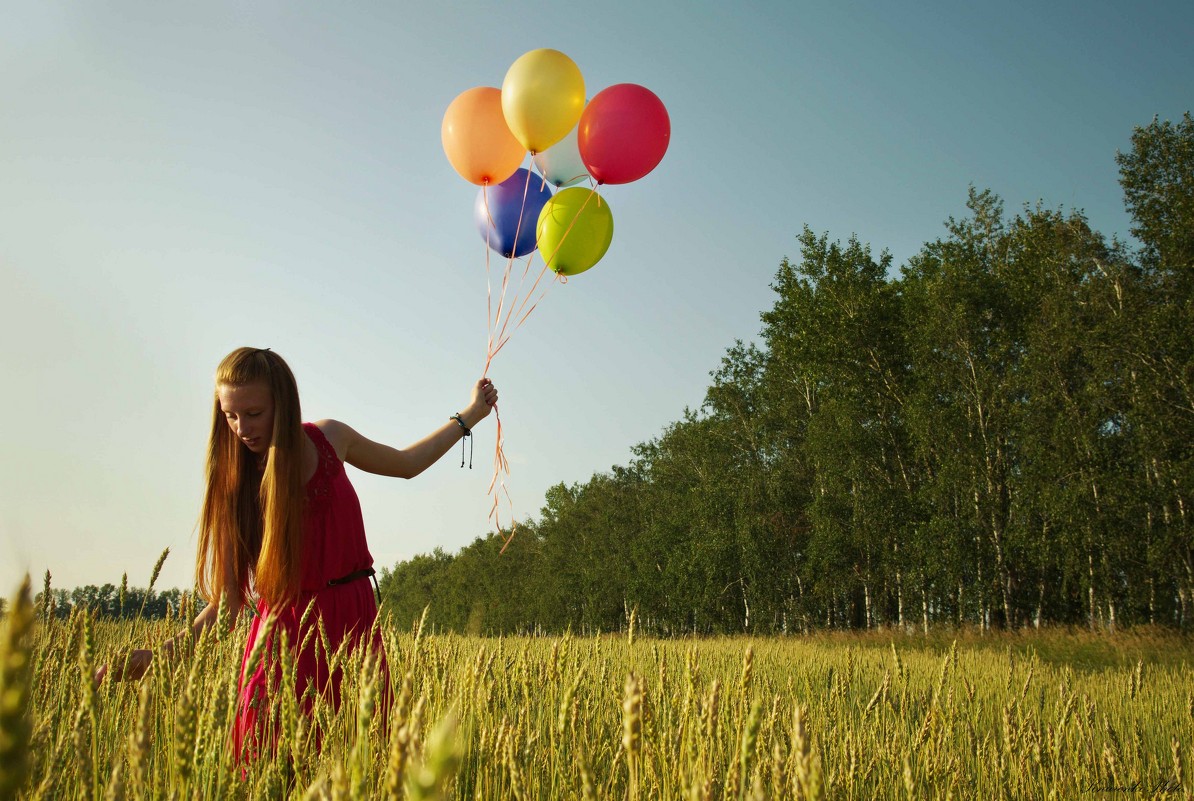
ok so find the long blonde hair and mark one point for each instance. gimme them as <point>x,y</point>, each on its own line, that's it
<point>250,532</point>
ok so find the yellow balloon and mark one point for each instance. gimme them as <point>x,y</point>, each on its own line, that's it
<point>543,96</point>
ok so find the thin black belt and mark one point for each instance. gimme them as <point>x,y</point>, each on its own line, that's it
<point>365,572</point>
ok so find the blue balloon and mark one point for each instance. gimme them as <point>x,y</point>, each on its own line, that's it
<point>507,223</point>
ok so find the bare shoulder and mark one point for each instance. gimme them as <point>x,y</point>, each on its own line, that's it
<point>339,435</point>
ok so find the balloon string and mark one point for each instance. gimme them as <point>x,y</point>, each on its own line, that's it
<point>502,296</point>
<point>495,318</point>
<point>521,211</point>
<point>496,341</point>
<point>500,464</point>
<point>515,310</point>
<point>502,336</point>
<point>500,461</point>
<point>488,279</point>
<point>526,270</point>
<point>511,312</point>
<point>502,340</point>
<point>563,238</point>
<point>518,311</point>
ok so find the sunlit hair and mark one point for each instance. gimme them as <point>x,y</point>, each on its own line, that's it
<point>250,532</point>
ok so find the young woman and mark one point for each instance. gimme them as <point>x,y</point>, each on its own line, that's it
<point>281,521</point>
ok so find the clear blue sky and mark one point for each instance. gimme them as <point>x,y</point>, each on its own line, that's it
<point>180,179</point>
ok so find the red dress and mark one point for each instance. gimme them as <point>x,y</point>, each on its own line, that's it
<point>333,547</point>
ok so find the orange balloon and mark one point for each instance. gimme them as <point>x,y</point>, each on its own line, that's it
<point>476,139</point>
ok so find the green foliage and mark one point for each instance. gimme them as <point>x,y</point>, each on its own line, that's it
<point>1158,181</point>
<point>105,602</point>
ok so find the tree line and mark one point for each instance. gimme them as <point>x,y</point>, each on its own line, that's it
<point>107,601</point>
<point>1000,433</point>
<point>111,601</point>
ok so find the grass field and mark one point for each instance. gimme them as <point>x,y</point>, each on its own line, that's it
<point>879,715</point>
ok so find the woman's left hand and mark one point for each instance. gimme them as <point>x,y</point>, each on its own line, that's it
<point>485,397</point>
<point>132,665</point>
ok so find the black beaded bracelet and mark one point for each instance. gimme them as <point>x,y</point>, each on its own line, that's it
<point>468,433</point>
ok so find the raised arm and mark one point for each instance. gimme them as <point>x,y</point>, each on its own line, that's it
<point>374,457</point>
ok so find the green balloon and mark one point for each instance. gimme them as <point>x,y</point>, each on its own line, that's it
<point>574,231</point>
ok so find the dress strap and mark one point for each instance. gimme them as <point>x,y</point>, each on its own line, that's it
<point>326,451</point>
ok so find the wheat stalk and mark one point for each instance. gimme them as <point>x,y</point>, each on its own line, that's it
<point>15,691</point>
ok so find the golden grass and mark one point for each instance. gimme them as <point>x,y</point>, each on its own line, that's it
<point>880,715</point>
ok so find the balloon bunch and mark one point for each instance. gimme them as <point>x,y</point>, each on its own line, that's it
<point>618,136</point>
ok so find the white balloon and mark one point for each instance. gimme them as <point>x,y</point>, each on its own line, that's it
<point>560,164</point>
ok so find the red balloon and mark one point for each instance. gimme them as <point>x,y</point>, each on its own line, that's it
<point>623,133</point>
